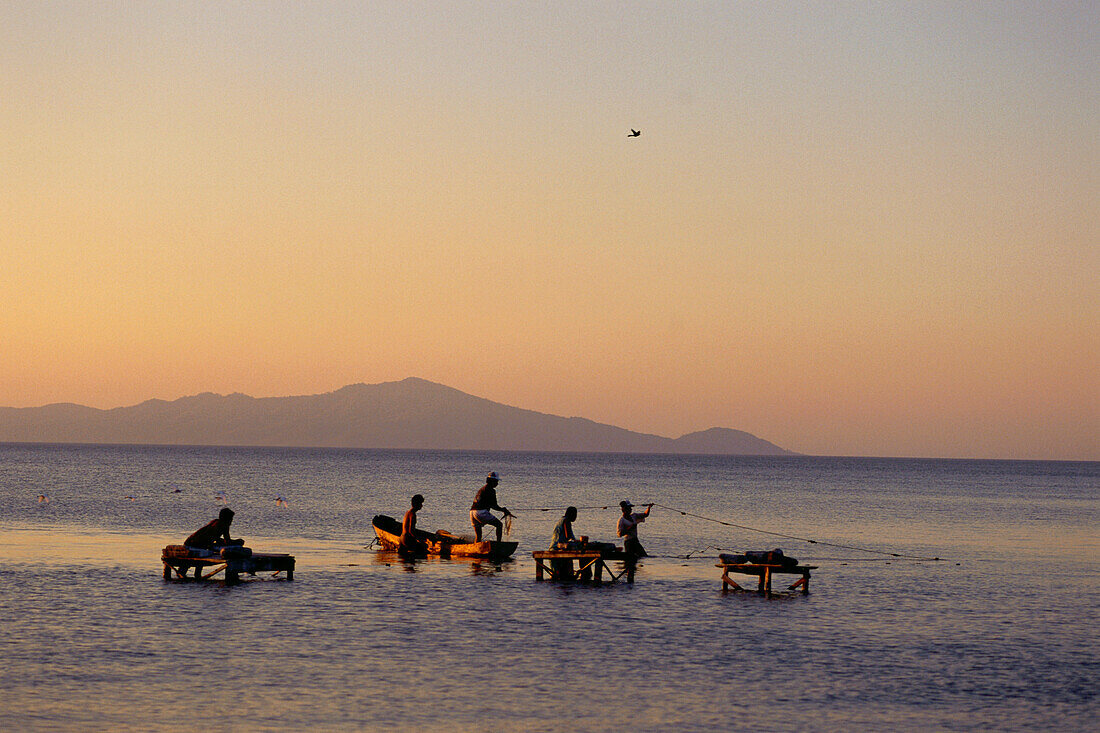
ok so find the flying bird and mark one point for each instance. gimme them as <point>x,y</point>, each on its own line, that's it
<point>634,133</point>
<point>221,497</point>
<point>43,499</point>
<point>280,501</point>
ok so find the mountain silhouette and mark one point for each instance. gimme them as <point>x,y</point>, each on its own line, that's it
<point>412,413</point>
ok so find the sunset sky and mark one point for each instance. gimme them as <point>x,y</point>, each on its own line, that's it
<point>850,229</point>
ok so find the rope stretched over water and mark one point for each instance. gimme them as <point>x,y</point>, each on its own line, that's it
<point>696,553</point>
<point>750,529</point>
<point>791,537</point>
<point>556,508</point>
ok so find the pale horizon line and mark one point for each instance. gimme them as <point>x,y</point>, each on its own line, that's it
<point>792,452</point>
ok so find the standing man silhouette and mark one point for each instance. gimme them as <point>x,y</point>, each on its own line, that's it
<point>628,529</point>
<point>485,500</point>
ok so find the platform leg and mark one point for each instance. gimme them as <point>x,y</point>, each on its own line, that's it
<point>538,569</point>
<point>767,582</point>
<point>198,572</point>
<point>584,570</point>
<point>290,574</point>
<point>803,583</point>
<point>597,575</point>
<point>562,570</point>
<point>728,582</point>
<point>167,571</point>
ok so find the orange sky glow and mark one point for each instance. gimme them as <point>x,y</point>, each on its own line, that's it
<point>864,230</point>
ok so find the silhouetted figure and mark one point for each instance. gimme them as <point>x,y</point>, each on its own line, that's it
<point>628,529</point>
<point>215,534</point>
<point>564,539</point>
<point>634,133</point>
<point>485,500</point>
<point>410,542</point>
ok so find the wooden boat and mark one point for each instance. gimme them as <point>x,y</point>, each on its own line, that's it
<point>441,543</point>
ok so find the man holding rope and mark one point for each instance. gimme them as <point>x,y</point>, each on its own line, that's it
<point>485,500</point>
<point>628,529</point>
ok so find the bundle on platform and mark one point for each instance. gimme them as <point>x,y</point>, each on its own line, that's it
<point>760,557</point>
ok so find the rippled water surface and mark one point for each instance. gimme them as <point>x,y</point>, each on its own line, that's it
<point>999,635</point>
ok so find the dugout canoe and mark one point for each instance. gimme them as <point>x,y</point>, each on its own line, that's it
<point>441,543</point>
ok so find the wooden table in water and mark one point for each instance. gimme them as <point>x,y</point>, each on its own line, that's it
<point>559,565</point>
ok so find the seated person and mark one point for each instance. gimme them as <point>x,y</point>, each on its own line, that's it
<point>410,541</point>
<point>564,539</point>
<point>215,534</point>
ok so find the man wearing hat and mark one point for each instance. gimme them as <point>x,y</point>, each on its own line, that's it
<point>485,500</point>
<point>628,529</point>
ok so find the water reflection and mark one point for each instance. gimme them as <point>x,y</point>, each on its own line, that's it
<point>488,567</point>
<point>477,566</point>
<point>868,649</point>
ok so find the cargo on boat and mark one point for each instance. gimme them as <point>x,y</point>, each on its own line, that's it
<point>441,543</point>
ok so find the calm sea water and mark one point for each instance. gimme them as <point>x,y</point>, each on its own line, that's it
<point>1000,635</point>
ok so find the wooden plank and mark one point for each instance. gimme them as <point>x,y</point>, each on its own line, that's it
<point>193,560</point>
<point>206,567</point>
<point>755,569</point>
<point>628,571</point>
<point>727,581</point>
<point>212,573</point>
<point>564,555</point>
<point>764,573</point>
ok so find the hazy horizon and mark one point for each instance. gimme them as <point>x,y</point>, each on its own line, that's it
<point>866,229</point>
<point>306,444</point>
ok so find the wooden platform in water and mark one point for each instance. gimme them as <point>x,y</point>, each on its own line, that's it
<point>590,564</point>
<point>178,562</point>
<point>764,572</point>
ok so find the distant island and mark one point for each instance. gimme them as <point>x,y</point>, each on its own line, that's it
<point>412,413</point>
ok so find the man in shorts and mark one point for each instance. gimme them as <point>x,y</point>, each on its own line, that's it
<point>485,500</point>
